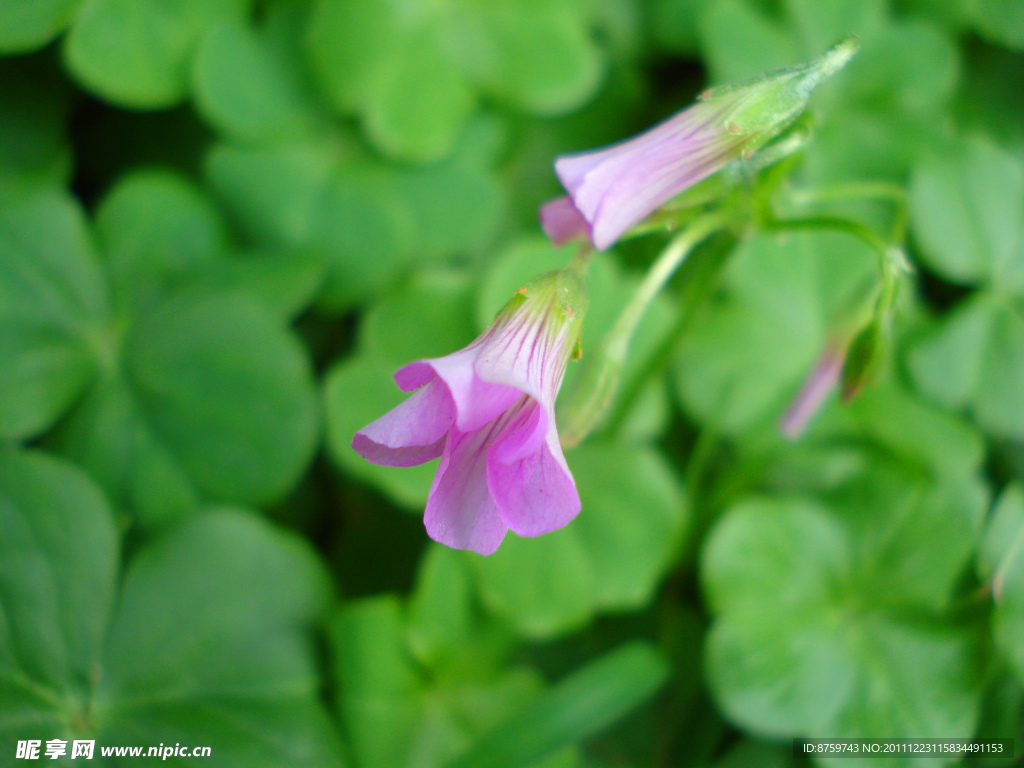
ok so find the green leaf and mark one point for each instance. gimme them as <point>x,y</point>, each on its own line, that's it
<point>250,89</point>
<point>929,440</point>
<point>542,586</point>
<point>821,25</point>
<point>77,661</point>
<point>365,235</point>
<point>108,436</point>
<point>577,707</point>
<point>1003,543</point>
<point>782,300</point>
<point>58,566</point>
<point>1001,22</point>
<point>603,560</point>
<point>739,41</point>
<point>456,207</point>
<point>378,699</point>
<point>909,67</point>
<point>428,315</point>
<point>804,643</point>
<point>998,405</point>
<point>628,558</point>
<point>966,209</point>
<point>229,391</point>
<point>29,24</point>
<point>137,53</point>
<point>243,679</point>
<point>422,104</point>
<point>1002,561</point>
<point>441,610</point>
<point>538,57</point>
<point>350,43</point>
<point>674,25</point>
<point>394,714</point>
<point>285,282</point>
<point>158,232</point>
<point>974,357</point>
<point>946,362</point>
<point>410,76</point>
<point>54,312</point>
<point>884,113</point>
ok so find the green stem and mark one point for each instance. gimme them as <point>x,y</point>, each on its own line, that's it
<point>853,190</point>
<point>863,190</point>
<point>580,262</point>
<point>695,288</point>
<point>862,232</point>
<point>616,343</point>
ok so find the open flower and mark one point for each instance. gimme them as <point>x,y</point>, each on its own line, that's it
<point>489,412</point>
<point>615,188</point>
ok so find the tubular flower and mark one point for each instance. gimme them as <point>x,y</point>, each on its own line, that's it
<point>488,411</point>
<point>615,188</point>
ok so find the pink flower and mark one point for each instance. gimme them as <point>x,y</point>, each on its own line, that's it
<point>489,412</point>
<point>615,188</point>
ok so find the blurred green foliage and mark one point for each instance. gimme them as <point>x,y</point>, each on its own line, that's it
<point>225,223</point>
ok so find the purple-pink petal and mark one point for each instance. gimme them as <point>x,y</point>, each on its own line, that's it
<point>524,355</point>
<point>562,222</point>
<point>524,433</point>
<point>617,187</point>
<point>411,433</point>
<point>534,494</point>
<point>815,389</point>
<point>460,511</point>
<point>476,401</point>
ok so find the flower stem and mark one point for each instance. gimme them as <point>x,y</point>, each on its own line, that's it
<point>617,341</point>
<point>598,381</point>
<point>580,262</point>
<point>696,288</point>
<point>862,190</point>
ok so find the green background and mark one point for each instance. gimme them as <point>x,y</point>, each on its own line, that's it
<point>225,223</point>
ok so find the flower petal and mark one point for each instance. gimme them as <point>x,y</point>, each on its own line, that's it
<point>534,494</point>
<point>527,356</point>
<point>561,221</point>
<point>525,428</point>
<point>616,188</point>
<point>460,512</point>
<point>477,402</point>
<point>412,432</point>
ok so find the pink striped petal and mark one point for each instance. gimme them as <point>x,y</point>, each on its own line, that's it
<point>460,512</point>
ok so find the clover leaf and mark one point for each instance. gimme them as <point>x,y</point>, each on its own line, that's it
<point>203,640</point>
<point>54,311</point>
<point>29,24</point>
<point>974,357</point>
<point>414,78</point>
<point>172,391</point>
<point>138,53</point>
<point>400,714</point>
<point>967,209</point>
<point>829,613</point>
<point>1002,565</point>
